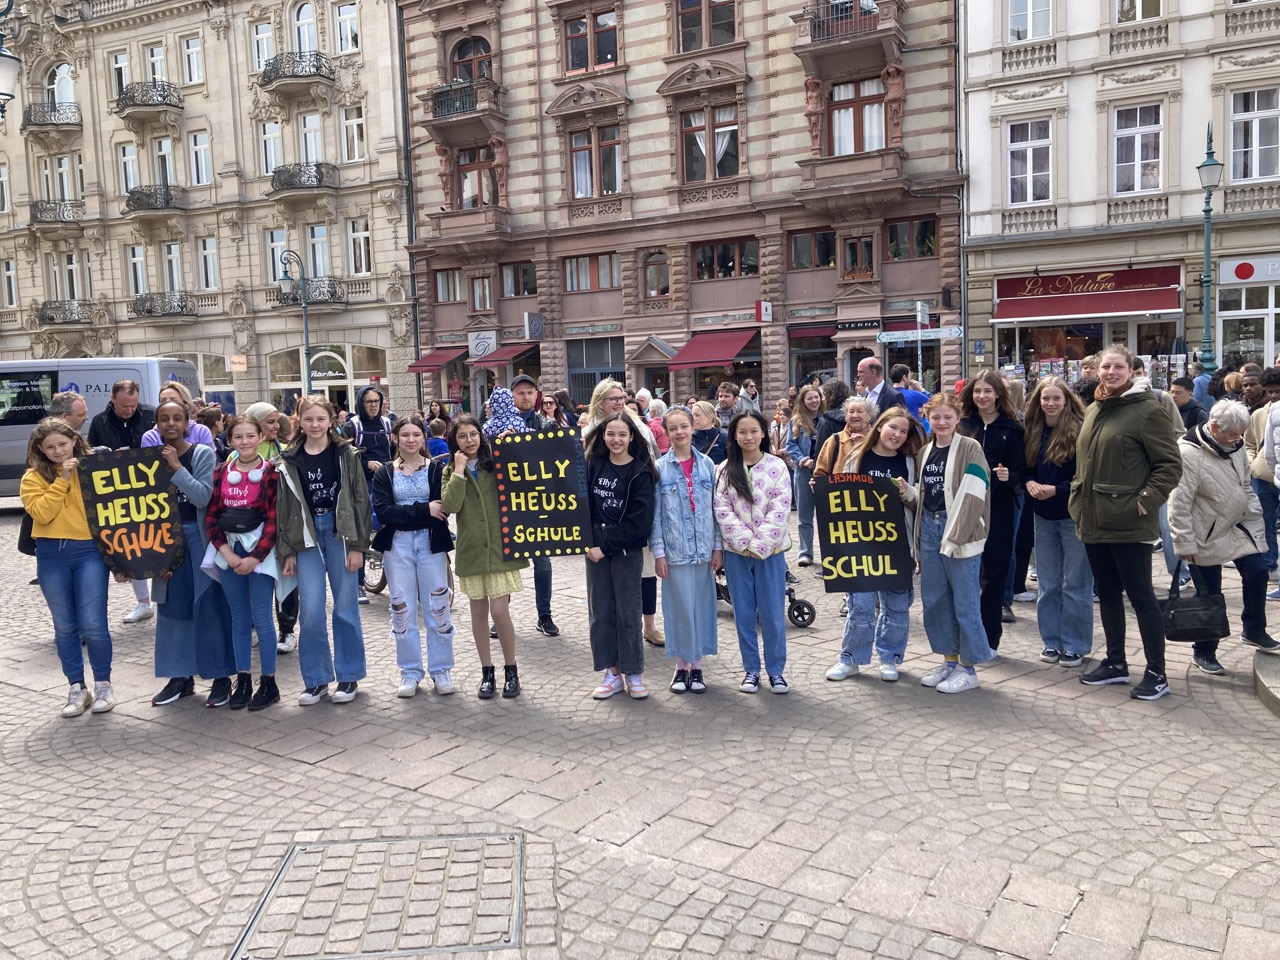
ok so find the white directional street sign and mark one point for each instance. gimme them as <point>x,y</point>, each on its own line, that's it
<point>937,333</point>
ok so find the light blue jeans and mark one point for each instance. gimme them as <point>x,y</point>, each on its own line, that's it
<point>949,591</point>
<point>889,630</point>
<point>346,661</point>
<point>758,589</point>
<point>1064,607</point>
<point>73,579</point>
<point>418,579</point>
<point>251,600</point>
<point>804,504</point>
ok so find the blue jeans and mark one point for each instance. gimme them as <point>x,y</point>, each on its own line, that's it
<point>73,579</point>
<point>889,630</point>
<point>949,591</point>
<point>542,586</point>
<point>758,589</point>
<point>1269,497</point>
<point>251,600</point>
<point>318,665</point>
<point>804,504</point>
<point>1019,502</point>
<point>418,578</point>
<point>1252,568</point>
<point>1064,608</point>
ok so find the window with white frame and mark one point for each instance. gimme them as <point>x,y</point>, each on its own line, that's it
<point>721,133</point>
<point>192,60</point>
<point>1029,20</point>
<point>1132,11</point>
<point>449,286</point>
<point>352,134</point>
<point>596,161</point>
<point>207,254</point>
<point>127,165</point>
<point>519,279</point>
<point>275,246</point>
<point>157,69</point>
<point>171,266</point>
<point>359,247</point>
<point>66,276</point>
<point>162,161</point>
<point>481,293</point>
<point>6,202</point>
<point>1139,140</point>
<point>9,283</point>
<point>270,153</point>
<point>264,44</point>
<point>310,138</point>
<point>600,272</point>
<point>1255,134</point>
<point>346,26</point>
<point>201,159</point>
<point>119,63</point>
<point>62,177</point>
<point>135,269</point>
<point>304,28</point>
<point>318,249</point>
<point>855,117</point>
<point>1028,151</point>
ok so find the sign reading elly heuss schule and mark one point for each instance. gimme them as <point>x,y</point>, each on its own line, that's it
<point>863,531</point>
<point>132,513</point>
<point>542,494</point>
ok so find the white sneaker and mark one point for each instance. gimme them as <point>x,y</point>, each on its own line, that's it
<point>610,684</point>
<point>104,700</point>
<point>842,671</point>
<point>143,611</point>
<point>444,683</point>
<point>932,680</point>
<point>636,689</point>
<point>888,671</point>
<point>287,644</point>
<point>1027,596</point>
<point>959,681</point>
<point>78,700</point>
<point>407,689</point>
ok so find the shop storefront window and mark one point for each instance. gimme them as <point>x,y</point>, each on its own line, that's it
<point>812,355</point>
<point>1031,352</point>
<point>1243,339</point>
<point>925,366</point>
<point>331,375</point>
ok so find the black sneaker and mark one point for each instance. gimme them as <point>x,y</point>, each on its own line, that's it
<point>547,627</point>
<point>1106,672</point>
<point>696,683</point>
<point>778,684</point>
<point>1265,643</point>
<point>1070,659</point>
<point>510,682</point>
<point>219,693</point>
<point>493,633</point>
<point>243,691</point>
<point>750,683</point>
<point>791,577</point>
<point>1209,664</point>
<point>1153,687</point>
<point>487,684</point>
<point>1049,655</point>
<point>1006,614</point>
<point>174,690</point>
<point>266,694</point>
<point>345,693</point>
<point>680,682</point>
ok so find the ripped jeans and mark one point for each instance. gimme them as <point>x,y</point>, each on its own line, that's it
<point>418,578</point>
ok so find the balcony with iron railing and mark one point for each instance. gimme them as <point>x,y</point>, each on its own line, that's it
<point>64,313</point>
<point>306,177</point>
<point>321,292</point>
<point>57,219</point>
<point>158,199</point>
<point>148,100</point>
<point>56,115</point>
<point>831,35</point>
<point>166,305</point>
<point>296,72</point>
<point>465,109</point>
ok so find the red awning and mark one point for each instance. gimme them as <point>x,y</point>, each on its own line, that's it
<point>814,330</point>
<point>436,360</point>
<point>503,355</point>
<point>1089,306</point>
<point>716,349</point>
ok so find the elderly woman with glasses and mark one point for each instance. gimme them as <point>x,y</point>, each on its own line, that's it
<point>1214,517</point>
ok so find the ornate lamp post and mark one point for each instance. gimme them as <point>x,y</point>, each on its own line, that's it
<point>1210,170</point>
<point>10,65</point>
<point>287,284</point>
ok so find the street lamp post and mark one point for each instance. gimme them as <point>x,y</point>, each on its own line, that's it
<point>1210,170</point>
<point>287,284</point>
<point>10,66</point>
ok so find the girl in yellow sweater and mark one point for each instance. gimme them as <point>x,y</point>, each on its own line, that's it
<point>71,572</point>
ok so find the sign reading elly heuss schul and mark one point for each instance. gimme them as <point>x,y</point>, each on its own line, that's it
<point>863,531</point>
<point>132,513</point>
<point>542,494</point>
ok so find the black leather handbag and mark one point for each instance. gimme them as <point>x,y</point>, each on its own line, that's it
<point>1195,617</point>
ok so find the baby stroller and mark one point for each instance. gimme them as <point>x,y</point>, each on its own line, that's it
<point>799,611</point>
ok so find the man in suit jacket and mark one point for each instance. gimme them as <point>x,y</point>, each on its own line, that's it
<point>882,394</point>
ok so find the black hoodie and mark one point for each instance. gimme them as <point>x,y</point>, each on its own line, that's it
<point>372,435</point>
<point>1003,444</point>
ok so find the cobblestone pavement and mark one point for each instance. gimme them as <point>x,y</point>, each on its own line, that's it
<point>1031,818</point>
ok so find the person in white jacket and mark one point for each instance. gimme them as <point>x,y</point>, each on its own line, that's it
<point>1214,516</point>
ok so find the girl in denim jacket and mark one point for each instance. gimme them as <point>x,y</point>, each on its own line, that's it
<point>753,508</point>
<point>686,547</point>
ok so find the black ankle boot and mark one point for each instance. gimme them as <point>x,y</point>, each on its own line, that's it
<point>510,682</point>
<point>266,694</point>
<point>487,683</point>
<point>243,691</point>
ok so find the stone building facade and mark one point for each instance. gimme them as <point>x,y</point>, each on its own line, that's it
<point>680,194</point>
<point>1092,120</point>
<point>159,158</point>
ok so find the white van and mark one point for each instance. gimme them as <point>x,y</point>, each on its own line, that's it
<point>27,386</point>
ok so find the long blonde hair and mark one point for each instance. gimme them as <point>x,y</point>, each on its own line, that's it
<point>801,419</point>
<point>1062,444</point>
<point>317,400</point>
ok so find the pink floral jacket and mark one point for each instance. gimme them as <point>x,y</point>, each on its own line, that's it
<point>760,527</point>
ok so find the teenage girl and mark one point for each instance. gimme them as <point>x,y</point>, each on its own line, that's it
<point>620,483</point>
<point>415,544</point>
<point>955,512</point>
<point>804,454</point>
<point>69,567</point>
<point>325,525</point>
<point>241,527</point>
<point>197,432</point>
<point>753,508</point>
<point>686,546</point>
<point>887,451</point>
<point>471,494</point>
<point>184,647</point>
<point>270,447</point>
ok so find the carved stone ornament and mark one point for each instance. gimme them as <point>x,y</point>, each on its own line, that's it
<point>1033,93</point>
<point>349,91</point>
<point>395,288</point>
<point>1144,76</point>
<point>698,77</point>
<point>392,200</point>
<point>590,96</point>
<point>101,311</point>
<point>236,305</point>
<point>44,346</point>
<point>1271,56</point>
<point>400,320</point>
<point>244,334</point>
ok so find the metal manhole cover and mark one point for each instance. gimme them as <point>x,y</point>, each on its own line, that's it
<point>394,897</point>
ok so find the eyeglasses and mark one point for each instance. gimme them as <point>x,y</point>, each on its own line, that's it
<point>548,403</point>
<point>621,399</point>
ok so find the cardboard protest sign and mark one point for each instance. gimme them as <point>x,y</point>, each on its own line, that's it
<point>132,514</point>
<point>863,531</point>
<point>542,494</point>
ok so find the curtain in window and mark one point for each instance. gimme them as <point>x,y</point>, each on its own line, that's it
<point>582,185</point>
<point>725,135</point>
<point>873,126</point>
<point>698,119</point>
<point>842,140</point>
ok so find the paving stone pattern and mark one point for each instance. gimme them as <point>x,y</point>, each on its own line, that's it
<point>1031,818</point>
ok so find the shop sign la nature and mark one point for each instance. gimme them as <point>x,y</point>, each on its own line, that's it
<point>1097,281</point>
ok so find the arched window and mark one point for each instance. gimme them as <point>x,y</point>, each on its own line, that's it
<point>304,28</point>
<point>657,277</point>
<point>58,86</point>
<point>473,59</point>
